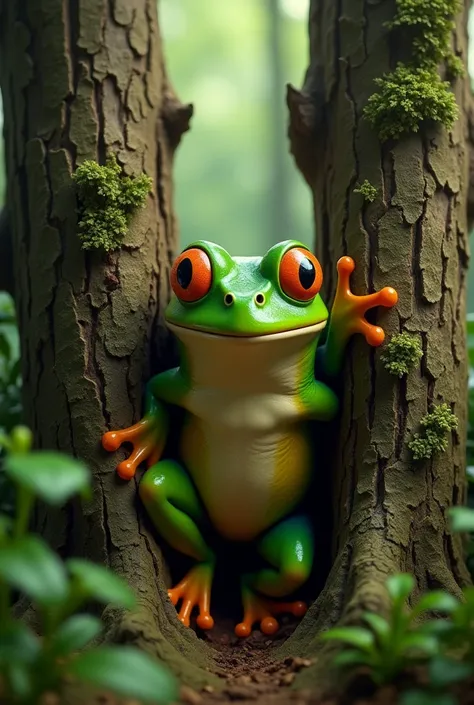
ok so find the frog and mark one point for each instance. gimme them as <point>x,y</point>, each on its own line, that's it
<point>255,371</point>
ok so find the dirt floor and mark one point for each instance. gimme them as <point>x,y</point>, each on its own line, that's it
<point>252,675</point>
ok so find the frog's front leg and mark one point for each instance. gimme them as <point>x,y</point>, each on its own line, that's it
<point>347,318</point>
<point>288,548</point>
<point>148,436</point>
<point>175,509</point>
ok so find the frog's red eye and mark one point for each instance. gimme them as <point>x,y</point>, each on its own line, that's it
<point>191,275</point>
<point>301,275</point>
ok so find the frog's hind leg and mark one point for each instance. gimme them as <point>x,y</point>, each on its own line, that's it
<point>288,547</point>
<point>175,509</point>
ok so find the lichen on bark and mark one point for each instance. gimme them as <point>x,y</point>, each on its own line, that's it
<point>386,516</point>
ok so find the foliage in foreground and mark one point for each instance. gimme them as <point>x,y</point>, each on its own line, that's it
<point>390,646</point>
<point>30,665</point>
<point>108,199</point>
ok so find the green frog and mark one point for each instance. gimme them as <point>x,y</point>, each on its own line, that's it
<point>248,330</point>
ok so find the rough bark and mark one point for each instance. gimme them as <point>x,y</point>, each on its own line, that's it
<point>6,254</point>
<point>79,79</point>
<point>390,513</point>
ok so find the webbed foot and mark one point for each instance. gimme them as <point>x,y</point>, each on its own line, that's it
<point>147,445</point>
<point>262,610</point>
<point>195,591</point>
<point>349,309</point>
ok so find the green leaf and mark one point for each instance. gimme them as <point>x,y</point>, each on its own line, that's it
<point>19,677</point>
<point>435,601</point>
<point>76,633</point>
<point>351,657</point>
<point>5,349</point>
<point>29,565</point>
<point>355,636</point>
<point>128,672</point>
<point>100,583</point>
<point>444,671</point>
<point>15,370</point>
<point>379,626</point>
<point>420,697</point>
<point>53,477</point>
<point>436,627</point>
<point>400,586</point>
<point>462,519</point>
<point>18,644</point>
<point>422,642</point>
<point>5,525</point>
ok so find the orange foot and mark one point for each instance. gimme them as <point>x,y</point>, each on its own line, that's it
<point>146,445</point>
<point>195,591</point>
<point>349,309</point>
<point>259,609</point>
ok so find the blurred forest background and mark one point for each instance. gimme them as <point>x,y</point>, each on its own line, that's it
<point>235,182</point>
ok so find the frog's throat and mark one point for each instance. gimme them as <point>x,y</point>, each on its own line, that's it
<point>187,334</point>
<point>274,363</point>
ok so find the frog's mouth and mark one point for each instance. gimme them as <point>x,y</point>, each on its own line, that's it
<point>311,329</point>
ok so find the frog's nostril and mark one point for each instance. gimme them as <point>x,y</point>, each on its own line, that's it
<point>259,299</point>
<point>229,299</point>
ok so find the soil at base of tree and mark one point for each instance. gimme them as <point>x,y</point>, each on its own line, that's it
<point>253,676</point>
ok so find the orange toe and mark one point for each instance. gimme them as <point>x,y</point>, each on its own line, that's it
<point>111,441</point>
<point>345,265</point>
<point>262,610</point>
<point>205,622</point>
<point>242,630</point>
<point>269,625</point>
<point>126,470</point>
<point>194,591</point>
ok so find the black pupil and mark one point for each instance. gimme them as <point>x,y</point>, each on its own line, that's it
<point>307,273</point>
<point>184,273</point>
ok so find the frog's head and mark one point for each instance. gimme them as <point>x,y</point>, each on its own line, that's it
<point>246,296</point>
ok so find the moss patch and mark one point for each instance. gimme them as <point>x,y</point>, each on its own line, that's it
<point>408,98</point>
<point>434,439</point>
<point>432,21</point>
<point>368,191</point>
<point>402,353</point>
<point>108,200</point>
<point>414,94</point>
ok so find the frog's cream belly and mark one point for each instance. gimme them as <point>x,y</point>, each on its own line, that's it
<point>247,479</point>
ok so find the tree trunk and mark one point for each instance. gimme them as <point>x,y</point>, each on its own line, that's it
<point>390,513</point>
<point>81,79</point>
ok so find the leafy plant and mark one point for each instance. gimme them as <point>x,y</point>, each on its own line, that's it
<point>31,665</point>
<point>388,646</point>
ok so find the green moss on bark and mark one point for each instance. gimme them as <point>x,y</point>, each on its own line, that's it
<point>402,353</point>
<point>414,94</point>
<point>408,99</point>
<point>436,426</point>
<point>432,21</point>
<point>108,200</point>
<point>367,190</point>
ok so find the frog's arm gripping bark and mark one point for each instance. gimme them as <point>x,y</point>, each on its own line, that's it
<point>148,436</point>
<point>347,318</point>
